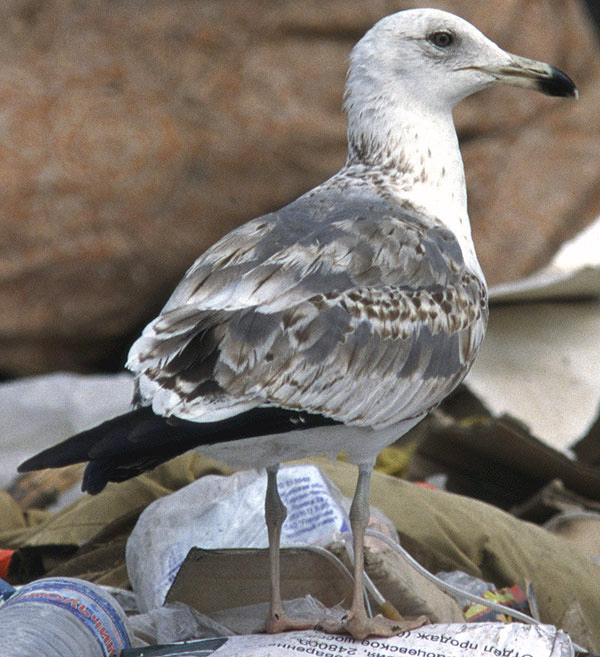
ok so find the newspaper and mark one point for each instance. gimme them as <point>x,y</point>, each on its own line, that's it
<point>455,640</point>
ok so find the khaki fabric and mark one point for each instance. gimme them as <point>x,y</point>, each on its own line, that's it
<point>444,531</point>
<point>87,538</point>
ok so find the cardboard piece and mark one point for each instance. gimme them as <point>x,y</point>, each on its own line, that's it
<point>410,593</point>
<point>213,580</point>
<point>497,460</point>
<point>552,500</point>
<point>587,449</point>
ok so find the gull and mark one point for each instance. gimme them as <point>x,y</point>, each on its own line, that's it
<point>337,323</point>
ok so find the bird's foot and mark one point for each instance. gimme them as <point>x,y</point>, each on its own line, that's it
<point>361,626</point>
<point>279,622</point>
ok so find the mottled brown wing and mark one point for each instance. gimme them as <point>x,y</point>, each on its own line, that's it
<point>351,308</point>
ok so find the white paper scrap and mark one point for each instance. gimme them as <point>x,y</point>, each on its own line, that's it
<point>39,411</point>
<point>540,360</point>
<point>541,364</point>
<point>573,272</point>
<point>450,640</point>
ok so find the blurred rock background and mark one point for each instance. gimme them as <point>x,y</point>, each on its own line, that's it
<point>134,133</point>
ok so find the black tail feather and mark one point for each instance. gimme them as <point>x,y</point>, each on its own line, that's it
<point>140,440</point>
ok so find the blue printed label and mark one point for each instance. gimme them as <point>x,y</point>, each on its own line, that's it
<point>94,611</point>
<point>312,511</point>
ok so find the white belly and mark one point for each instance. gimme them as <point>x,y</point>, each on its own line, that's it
<point>358,444</point>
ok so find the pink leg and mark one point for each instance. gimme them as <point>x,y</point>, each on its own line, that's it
<point>275,515</point>
<point>357,622</point>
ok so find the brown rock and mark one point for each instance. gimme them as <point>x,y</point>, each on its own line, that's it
<point>134,134</point>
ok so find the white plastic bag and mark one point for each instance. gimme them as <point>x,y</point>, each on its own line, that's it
<point>219,512</point>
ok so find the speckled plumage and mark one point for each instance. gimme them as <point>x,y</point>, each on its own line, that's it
<point>343,303</point>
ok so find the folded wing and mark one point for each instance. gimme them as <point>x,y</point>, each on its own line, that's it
<point>353,308</point>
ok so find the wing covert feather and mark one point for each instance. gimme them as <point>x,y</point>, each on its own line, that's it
<point>363,313</point>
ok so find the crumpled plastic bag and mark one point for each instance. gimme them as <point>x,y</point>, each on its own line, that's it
<point>218,512</point>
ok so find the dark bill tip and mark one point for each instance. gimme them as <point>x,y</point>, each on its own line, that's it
<point>558,84</point>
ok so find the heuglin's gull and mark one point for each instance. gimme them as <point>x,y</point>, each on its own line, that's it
<point>338,322</point>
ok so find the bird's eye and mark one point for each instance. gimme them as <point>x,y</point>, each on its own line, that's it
<point>441,38</point>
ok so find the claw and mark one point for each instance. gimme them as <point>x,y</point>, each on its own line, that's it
<point>282,623</point>
<point>360,628</point>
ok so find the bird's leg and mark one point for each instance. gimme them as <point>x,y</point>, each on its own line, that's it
<point>357,622</point>
<point>275,515</point>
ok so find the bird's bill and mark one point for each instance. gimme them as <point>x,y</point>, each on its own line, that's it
<point>523,72</point>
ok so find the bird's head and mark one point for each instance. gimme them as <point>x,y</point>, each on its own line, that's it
<point>433,59</point>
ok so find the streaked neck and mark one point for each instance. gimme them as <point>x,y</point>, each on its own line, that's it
<point>416,159</point>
